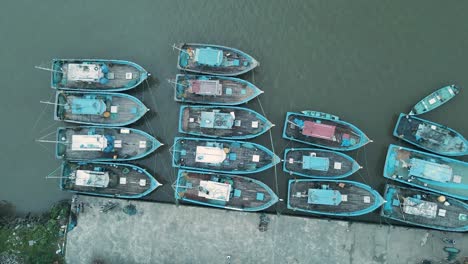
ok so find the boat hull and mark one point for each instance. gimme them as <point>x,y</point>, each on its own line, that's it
<point>246,194</point>
<point>225,156</point>
<point>430,136</point>
<point>121,144</point>
<point>222,122</point>
<point>427,171</point>
<point>421,208</point>
<point>332,134</point>
<point>435,99</point>
<point>360,198</point>
<point>233,62</point>
<point>318,163</point>
<point>120,75</point>
<point>125,180</point>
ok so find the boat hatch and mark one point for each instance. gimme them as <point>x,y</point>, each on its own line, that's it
<point>84,72</point>
<point>217,120</point>
<point>88,178</point>
<point>324,197</point>
<point>88,106</point>
<point>206,87</point>
<point>212,155</point>
<point>214,190</point>
<point>416,206</point>
<point>311,162</point>
<point>88,142</point>
<point>430,170</point>
<point>209,56</point>
<point>317,130</point>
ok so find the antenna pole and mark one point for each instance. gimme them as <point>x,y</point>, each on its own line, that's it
<point>47,69</point>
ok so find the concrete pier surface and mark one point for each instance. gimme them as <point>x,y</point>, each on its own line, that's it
<point>165,233</point>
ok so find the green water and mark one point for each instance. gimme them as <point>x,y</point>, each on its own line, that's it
<point>365,61</point>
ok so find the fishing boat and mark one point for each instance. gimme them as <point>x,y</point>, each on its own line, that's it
<point>217,90</point>
<point>319,163</point>
<point>104,143</point>
<point>213,59</point>
<point>332,197</point>
<point>107,179</point>
<point>96,75</point>
<point>430,136</point>
<point>427,171</point>
<point>427,209</point>
<point>323,130</point>
<point>222,122</point>
<point>105,109</point>
<point>435,99</point>
<point>225,156</point>
<point>223,191</point>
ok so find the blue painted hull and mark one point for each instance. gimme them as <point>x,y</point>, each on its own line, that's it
<point>397,168</point>
<point>243,131</point>
<point>347,165</point>
<point>446,216</point>
<point>240,157</point>
<point>443,141</point>
<point>243,196</point>
<point>293,132</point>
<point>57,76</point>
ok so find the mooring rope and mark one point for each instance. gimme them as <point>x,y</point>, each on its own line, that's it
<point>42,113</point>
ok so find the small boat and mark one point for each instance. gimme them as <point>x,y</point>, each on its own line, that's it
<point>323,130</point>
<point>213,59</point>
<point>96,75</point>
<point>107,179</point>
<point>319,163</point>
<point>105,109</point>
<point>332,197</point>
<point>225,156</point>
<point>104,143</point>
<point>427,171</point>
<point>224,191</point>
<point>430,136</point>
<point>435,99</point>
<point>217,90</point>
<point>222,122</point>
<point>427,209</point>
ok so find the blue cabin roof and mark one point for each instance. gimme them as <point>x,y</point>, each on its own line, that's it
<point>324,197</point>
<point>209,56</point>
<point>315,163</point>
<point>216,120</point>
<point>88,106</point>
<point>430,170</point>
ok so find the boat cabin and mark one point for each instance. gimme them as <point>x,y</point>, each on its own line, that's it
<point>91,143</point>
<point>88,178</point>
<point>217,120</point>
<point>432,171</point>
<point>212,190</point>
<point>206,87</point>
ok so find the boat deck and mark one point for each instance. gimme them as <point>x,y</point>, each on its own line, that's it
<point>131,144</point>
<point>345,165</point>
<point>298,197</point>
<point>249,123</point>
<point>450,219</point>
<point>132,187</point>
<point>185,156</point>
<point>247,189</point>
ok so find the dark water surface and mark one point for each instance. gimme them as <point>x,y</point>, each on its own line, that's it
<point>365,61</point>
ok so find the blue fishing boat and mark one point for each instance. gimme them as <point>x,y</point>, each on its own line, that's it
<point>104,143</point>
<point>107,179</point>
<point>332,197</point>
<point>105,109</point>
<point>318,163</point>
<point>216,90</point>
<point>323,130</point>
<point>96,75</point>
<point>430,136</point>
<point>427,171</point>
<point>213,59</point>
<point>427,209</point>
<point>435,99</point>
<point>223,191</point>
<point>222,122</point>
<point>225,156</point>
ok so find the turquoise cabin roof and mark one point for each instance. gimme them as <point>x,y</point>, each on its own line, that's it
<point>209,56</point>
<point>88,106</point>
<point>216,120</point>
<point>315,163</point>
<point>430,170</point>
<point>324,197</point>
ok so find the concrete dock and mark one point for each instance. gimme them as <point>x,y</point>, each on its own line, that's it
<point>164,233</point>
